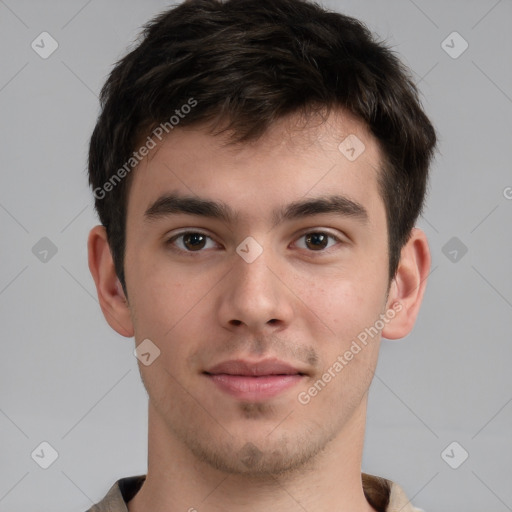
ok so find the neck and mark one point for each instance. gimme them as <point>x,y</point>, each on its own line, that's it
<point>176,480</point>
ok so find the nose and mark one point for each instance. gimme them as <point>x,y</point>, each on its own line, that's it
<point>255,296</point>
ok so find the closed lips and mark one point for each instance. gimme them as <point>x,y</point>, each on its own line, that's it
<point>254,369</point>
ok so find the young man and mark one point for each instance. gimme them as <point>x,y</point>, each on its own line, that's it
<point>258,168</point>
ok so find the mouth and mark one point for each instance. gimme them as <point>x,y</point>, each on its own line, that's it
<point>254,381</point>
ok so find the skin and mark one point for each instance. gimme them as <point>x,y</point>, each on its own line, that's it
<point>299,301</point>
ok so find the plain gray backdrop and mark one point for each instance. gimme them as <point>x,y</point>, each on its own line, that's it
<point>67,379</point>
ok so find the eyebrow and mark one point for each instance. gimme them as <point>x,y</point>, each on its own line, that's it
<point>172,204</point>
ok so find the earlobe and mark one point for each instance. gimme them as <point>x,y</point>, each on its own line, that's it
<point>408,286</point>
<point>113,302</point>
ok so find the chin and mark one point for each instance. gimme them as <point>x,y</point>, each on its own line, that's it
<point>259,456</point>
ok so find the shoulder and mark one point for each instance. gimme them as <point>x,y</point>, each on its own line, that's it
<point>119,494</point>
<point>385,495</point>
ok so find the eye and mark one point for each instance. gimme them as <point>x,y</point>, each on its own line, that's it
<point>317,241</point>
<point>191,241</point>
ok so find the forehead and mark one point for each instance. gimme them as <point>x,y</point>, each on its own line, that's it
<point>291,160</point>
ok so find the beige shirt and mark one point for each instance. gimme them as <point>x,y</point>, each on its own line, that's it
<point>382,494</point>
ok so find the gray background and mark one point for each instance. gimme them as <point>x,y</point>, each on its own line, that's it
<point>66,378</point>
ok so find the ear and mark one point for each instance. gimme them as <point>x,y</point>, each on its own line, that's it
<point>112,300</point>
<point>408,286</point>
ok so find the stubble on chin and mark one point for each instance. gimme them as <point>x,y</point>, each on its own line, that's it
<point>266,458</point>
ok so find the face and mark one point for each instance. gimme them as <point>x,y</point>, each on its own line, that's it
<point>257,301</point>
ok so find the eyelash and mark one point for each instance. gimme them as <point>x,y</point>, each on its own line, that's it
<point>170,241</point>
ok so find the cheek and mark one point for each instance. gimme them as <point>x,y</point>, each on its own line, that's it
<point>341,306</point>
<point>174,315</point>
<point>164,294</point>
<point>350,346</point>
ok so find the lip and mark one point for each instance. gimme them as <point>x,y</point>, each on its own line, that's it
<point>254,368</point>
<point>254,380</point>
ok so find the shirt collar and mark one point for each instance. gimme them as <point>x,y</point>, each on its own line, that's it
<point>382,494</point>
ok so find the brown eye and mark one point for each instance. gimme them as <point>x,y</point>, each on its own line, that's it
<point>194,241</point>
<point>316,241</point>
<point>190,241</point>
